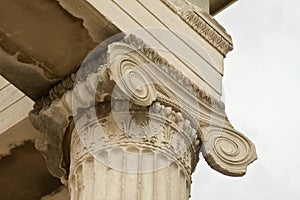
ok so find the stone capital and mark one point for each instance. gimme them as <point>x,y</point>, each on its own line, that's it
<point>131,72</point>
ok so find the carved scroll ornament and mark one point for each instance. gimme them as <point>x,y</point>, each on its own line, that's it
<point>134,72</point>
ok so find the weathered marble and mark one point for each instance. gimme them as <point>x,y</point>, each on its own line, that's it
<point>134,101</point>
<point>127,93</point>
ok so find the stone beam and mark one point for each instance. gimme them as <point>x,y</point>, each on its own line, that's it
<point>41,42</point>
<point>48,40</point>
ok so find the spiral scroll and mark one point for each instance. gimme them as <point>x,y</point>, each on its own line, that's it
<point>227,150</point>
<point>126,70</point>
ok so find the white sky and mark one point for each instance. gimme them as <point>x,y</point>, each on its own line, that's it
<point>261,84</point>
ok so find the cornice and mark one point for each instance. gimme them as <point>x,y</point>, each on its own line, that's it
<point>201,22</point>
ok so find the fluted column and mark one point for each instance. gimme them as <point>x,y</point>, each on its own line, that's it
<point>94,179</point>
<point>142,156</point>
<point>130,126</point>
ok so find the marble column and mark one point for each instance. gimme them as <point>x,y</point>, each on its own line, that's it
<point>138,155</point>
<point>131,126</point>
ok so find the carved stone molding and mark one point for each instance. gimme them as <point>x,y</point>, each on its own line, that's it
<point>156,128</point>
<point>137,74</point>
<point>202,23</point>
<point>147,147</point>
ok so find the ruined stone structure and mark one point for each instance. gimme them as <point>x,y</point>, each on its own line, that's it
<point>123,96</point>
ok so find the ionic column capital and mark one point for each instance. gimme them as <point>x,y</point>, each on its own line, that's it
<point>131,71</point>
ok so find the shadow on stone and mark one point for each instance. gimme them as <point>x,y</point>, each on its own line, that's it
<point>24,175</point>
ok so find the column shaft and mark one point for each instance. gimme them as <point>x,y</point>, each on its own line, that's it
<point>120,174</point>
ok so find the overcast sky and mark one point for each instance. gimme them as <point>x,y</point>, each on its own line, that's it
<point>262,95</point>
